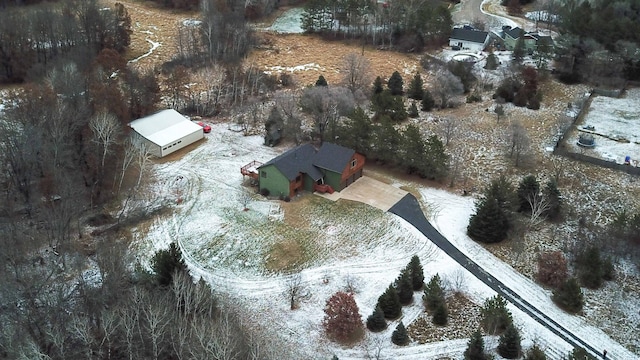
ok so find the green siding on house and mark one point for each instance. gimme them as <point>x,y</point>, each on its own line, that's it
<point>274,181</point>
<point>308,183</point>
<point>333,179</point>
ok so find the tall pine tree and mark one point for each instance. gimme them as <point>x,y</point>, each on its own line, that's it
<point>490,223</point>
<point>390,303</point>
<point>569,296</point>
<point>509,346</point>
<point>400,336</point>
<point>396,84</point>
<point>405,288</point>
<point>417,273</point>
<point>528,191</point>
<point>376,321</point>
<point>475,347</point>
<point>416,90</point>
<point>495,317</point>
<point>433,293</point>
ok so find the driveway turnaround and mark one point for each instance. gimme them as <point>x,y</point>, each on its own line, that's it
<point>409,209</point>
<point>371,192</point>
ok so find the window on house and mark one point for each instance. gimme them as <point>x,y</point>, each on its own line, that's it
<point>354,162</point>
<point>263,174</point>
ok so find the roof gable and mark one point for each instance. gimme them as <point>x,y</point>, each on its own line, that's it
<point>333,157</point>
<point>295,161</point>
<point>514,33</point>
<point>470,35</point>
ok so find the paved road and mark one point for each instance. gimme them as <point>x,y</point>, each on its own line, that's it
<point>409,209</point>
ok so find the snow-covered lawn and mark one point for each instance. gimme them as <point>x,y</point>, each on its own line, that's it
<point>342,242</point>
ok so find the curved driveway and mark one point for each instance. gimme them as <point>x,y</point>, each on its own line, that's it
<point>409,209</point>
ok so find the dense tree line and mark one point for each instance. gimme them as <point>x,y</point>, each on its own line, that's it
<point>405,25</point>
<point>600,41</point>
<point>34,40</point>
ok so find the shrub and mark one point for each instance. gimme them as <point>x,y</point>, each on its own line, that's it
<point>413,110</point>
<point>535,353</point>
<point>427,102</point>
<point>342,318</point>
<point>474,98</point>
<point>400,336</point>
<point>569,296</point>
<point>264,192</point>
<point>552,269</point>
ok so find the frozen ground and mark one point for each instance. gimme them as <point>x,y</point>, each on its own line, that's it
<point>351,242</point>
<point>613,118</point>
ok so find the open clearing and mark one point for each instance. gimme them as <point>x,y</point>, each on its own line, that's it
<point>245,253</point>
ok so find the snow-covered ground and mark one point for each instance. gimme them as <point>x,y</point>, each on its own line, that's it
<point>290,22</point>
<point>349,243</point>
<point>610,119</point>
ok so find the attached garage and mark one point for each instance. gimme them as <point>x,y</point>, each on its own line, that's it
<point>167,131</point>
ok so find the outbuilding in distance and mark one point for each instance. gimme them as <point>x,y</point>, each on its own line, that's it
<point>167,131</point>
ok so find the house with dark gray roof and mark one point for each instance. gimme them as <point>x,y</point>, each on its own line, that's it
<point>531,40</point>
<point>305,168</point>
<point>468,38</point>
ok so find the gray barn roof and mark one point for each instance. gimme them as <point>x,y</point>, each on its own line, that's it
<point>470,35</point>
<point>514,33</point>
<point>333,157</point>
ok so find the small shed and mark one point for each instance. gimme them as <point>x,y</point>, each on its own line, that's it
<point>167,131</point>
<point>467,38</point>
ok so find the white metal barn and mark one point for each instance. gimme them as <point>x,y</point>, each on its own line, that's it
<point>467,38</point>
<point>167,131</point>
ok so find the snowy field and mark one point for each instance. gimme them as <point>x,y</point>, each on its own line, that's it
<point>343,242</point>
<point>613,118</point>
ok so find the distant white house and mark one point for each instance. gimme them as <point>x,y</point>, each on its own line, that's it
<point>468,38</point>
<point>167,131</point>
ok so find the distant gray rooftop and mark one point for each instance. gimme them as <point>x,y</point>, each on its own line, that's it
<point>470,35</point>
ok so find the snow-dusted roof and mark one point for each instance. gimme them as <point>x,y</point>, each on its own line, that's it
<point>164,127</point>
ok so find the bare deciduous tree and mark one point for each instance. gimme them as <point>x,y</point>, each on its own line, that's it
<point>295,290</point>
<point>519,142</point>
<point>105,128</point>
<point>287,103</point>
<point>448,129</point>
<point>357,74</point>
<point>539,206</point>
<point>446,85</point>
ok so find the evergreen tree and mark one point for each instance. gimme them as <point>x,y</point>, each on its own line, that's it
<point>166,262</point>
<point>417,273</point>
<point>390,303</point>
<point>400,336</point>
<point>437,161</point>
<point>535,353</point>
<point>387,141</point>
<point>358,132</point>
<point>376,321</point>
<point>321,81</point>
<point>335,357</point>
<point>528,189</point>
<point>552,194</point>
<point>413,111</point>
<point>590,268</point>
<point>569,296</point>
<point>396,84</point>
<point>427,102</point>
<point>495,318</point>
<point>416,90</point>
<point>475,347</point>
<point>378,86</point>
<point>580,354</point>
<point>413,151</point>
<point>440,314</point>
<point>509,346</point>
<point>433,293</point>
<point>404,288</point>
<point>490,223</point>
<point>492,62</point>
<point>501,190</point>
<point>385,103</point>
